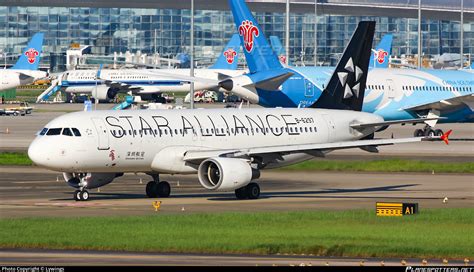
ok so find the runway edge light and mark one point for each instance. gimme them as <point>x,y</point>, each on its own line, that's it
<point>396,209</point>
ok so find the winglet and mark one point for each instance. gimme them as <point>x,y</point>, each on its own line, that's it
<point>445,137</point>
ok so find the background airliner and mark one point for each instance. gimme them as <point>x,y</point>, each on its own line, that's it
<point>106,83</point>
<point>392,93</point>
<point>227,148</point>
<point>25,71</point>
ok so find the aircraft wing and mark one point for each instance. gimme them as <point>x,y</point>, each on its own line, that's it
<point>368,145</point>
<point>445,104</point>
<point>395,122</point>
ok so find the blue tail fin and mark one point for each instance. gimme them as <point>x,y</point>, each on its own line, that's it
<point>258,53</point>
<point>229,58</point>
<point>381,55</point>
<point>31,56</point>
<point>279,49</point>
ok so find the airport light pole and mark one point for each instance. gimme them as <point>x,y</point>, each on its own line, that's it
<point>419,36</point>
<point>315,32</point>
<point>287,42</point>
<point>191,96</point>
<point>462,35</point>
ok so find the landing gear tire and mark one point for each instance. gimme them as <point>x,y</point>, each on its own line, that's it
<point>158,189</point>
<point>77,195</point>
<point>429,132</point>
<point>151,189</point>
<point>253,191</point>
<point>81,195</point>
<point>241,193</point>
<point>84,195</point>
<point>163,189</point>
<point>419,133</point>
<point>439,132</point>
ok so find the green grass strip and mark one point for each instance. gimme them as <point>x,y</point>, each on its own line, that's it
<point>436,233</point>
<point>15,159</point>
<point>386,165</point>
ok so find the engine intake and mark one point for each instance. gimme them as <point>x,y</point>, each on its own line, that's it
<point>225,174</point>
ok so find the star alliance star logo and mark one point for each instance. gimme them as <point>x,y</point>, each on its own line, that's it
<point>348,90</point>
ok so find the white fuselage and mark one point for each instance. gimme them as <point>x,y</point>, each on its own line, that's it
<point>155,141</point>
<point>10,78</point>
<point>84,81</point>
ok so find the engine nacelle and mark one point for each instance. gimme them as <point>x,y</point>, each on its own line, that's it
<point>91,180</point>
<point>103,93</point>
<point>225,174</point>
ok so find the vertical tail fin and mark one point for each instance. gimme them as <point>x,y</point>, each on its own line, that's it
<point>229,58</point>
<point>258,52</point>
<point>279,49</point>
<point>31,56</point>
<point>381,55</point>
<point>346,87</point>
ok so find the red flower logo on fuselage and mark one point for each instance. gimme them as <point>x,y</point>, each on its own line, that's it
<point>283,59</point>
<point>230,55</point>
<point>112,155</point>
<point>31,54</point>
<point>249,32</point>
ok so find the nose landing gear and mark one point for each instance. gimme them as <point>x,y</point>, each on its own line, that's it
<point>81,195</point>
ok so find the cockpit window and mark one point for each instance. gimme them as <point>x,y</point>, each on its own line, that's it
<point>54,131</point>
<point>67,132</point>
<point>76,132</point>
<point>43,131</point>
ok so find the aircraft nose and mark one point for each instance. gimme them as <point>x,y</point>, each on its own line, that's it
<point>35,153</point>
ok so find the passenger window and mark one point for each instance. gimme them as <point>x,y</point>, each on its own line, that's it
<point>67,132</point>
<point>54,131</point>
<point>43,131</point>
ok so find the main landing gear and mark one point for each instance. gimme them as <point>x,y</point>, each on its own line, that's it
<point>251,191</point>
<point>157,188</point>
<point>428,131</point>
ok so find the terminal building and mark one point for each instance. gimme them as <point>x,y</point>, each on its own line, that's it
<point>164,26</point>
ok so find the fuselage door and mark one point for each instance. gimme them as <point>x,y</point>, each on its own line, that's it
<point>390,88</point>
<point>103,137</point>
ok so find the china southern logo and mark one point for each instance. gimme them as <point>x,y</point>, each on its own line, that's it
<point>380,55</point>
<point>249,32</point>
<point>31,54</point>
<point>282,59</point>
<point>348,90</point>
<point>230,55</point>
<point>112,155</point>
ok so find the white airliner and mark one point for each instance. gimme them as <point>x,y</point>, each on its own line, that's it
<point>227,148</point>
<point>25,71</point>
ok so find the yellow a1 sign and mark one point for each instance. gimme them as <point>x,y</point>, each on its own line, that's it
<point>396,209</point>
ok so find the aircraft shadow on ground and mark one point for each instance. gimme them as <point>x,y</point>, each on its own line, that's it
<point>228,196</point>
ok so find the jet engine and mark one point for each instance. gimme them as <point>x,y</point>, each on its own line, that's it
<point>226,174</point>
<point>90,180</point>
<point>104,93</point>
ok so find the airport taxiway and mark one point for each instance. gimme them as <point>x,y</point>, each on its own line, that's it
<point>31,191</point>
<point>60,258</point>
